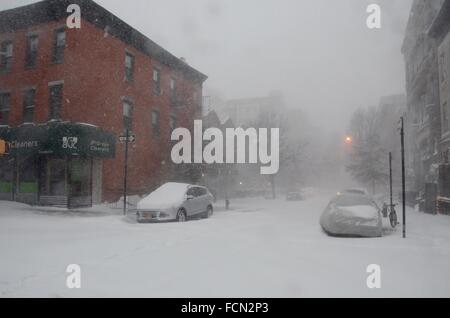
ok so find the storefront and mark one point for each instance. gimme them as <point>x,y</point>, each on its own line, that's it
<point>55,164</point>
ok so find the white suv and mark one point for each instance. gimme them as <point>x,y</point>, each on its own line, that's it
<point>175,202</point>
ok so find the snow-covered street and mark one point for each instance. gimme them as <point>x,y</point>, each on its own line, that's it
<point>259,249</point>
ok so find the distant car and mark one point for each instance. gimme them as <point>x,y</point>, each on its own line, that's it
<point>175,202</point>
<point>354,191</point>
<point>352,215</point>
<point>294,196</point>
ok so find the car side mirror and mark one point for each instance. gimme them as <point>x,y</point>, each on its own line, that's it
<point>189,197</point>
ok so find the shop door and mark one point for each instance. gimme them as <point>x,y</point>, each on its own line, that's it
<point>80,182</point>
<point>53,182</point>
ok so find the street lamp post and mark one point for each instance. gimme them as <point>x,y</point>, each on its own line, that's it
<point>402,134</point>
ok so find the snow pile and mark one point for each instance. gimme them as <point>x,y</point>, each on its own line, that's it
<point>361,211</point>
<point>259,249</point>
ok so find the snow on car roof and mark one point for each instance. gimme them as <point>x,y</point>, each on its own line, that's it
<point>164,196</point>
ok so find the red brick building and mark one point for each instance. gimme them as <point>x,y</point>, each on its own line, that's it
<point>105,74</point>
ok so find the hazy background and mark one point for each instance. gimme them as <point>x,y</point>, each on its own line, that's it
<point>319,54</point>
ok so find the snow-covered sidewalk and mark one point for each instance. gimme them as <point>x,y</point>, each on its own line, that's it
<point>259,249</point>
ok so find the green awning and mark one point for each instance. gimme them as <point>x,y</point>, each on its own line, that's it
<point>60,139</point>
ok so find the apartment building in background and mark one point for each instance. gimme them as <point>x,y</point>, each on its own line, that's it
<point>423,116</point>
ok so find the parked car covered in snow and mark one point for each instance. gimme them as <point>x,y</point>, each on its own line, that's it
<point>175,202</point>
<point>352,215</point>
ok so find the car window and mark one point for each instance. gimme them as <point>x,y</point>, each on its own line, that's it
<point>201,191</point>
<point>192,192</point>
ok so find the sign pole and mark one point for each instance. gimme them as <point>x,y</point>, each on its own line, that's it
<point>125,175</point>
<point>402,133</point>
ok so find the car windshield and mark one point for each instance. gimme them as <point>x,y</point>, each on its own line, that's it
<point>352,200</point>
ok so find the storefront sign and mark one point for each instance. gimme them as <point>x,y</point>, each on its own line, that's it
<point>24,145</point>
<point>61,139</point>
<point>100,147</point>
<point>69,142</point>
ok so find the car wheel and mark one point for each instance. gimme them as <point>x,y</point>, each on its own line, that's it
<point>209,212</point>
<point>181,216</point>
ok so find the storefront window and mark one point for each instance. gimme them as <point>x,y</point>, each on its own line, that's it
<point>27,175</point>
<point>6,174</point>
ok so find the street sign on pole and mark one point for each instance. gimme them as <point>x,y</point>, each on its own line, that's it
<point>125,139</point>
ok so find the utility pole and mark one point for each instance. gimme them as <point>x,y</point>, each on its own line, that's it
<point>402,134</point>
<point>390,179</point>
<point>127,133</point>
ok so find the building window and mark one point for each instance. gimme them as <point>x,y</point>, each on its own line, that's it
<point>5,107</point>
<point>128,114</point>
<point>29,104</point>
<point>173,90</point>
<point>156,82</point>
<point>32,51</point>
<point>156,123</point>
<point>59,46</point>
<point>56,100</point>
<point>129,67</point>
<point>173,122</point>
<point>6,56</point>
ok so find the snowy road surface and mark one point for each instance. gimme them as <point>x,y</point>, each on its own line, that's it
<point>260,249</point>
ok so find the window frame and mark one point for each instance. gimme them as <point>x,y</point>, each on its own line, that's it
<point>27,107</point>
<point>156,127</point>
<point>31,56</point>
<point>156,83</point>
<point>58,54</point>
<point>127,118</point>
<point>129,71</point>
<point>55,110</point>
<point>4,121</point>
<point>6,61</point>
<point>173,89</point>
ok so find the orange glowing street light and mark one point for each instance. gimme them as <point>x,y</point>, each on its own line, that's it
<point>348,140</point>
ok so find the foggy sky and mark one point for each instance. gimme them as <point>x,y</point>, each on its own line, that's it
<point>319,53</point>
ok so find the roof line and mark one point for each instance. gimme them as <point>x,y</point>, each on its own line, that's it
<point>55,10</point>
